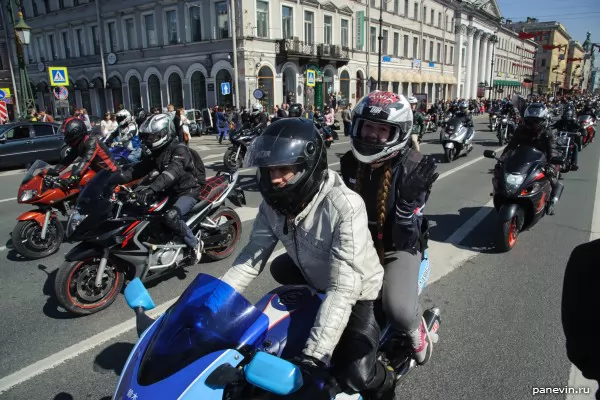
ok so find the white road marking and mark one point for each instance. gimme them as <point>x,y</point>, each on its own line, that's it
<point>5,200</point>
<point>465,165</point>
<point>576,379</point>
<point>15,172</point>
<point>212,156</point>
<point>2,248</point>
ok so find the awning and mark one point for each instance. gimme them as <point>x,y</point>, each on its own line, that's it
<point>399,76</point>
<point>501,82</point>
<point>417,78</point>
<point>387,75</point>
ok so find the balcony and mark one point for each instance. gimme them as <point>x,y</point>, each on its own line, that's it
<point>323,54</point>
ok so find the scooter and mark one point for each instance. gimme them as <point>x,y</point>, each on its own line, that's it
<point>456,140</point>
<point>214,344</point>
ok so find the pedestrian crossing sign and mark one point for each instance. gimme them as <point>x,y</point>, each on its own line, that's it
<point>58,76</point>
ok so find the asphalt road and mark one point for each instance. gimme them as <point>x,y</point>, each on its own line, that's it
<point>500,336</point>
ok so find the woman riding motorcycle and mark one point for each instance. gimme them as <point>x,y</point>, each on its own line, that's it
<point>323,227</point>
<point>568,123</point>
<point>394,181</point>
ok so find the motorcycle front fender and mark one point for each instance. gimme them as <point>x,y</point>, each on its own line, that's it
<point>36,215</point>
<point>83,251</point>
<point>449,145</point>
<point>508,211</point>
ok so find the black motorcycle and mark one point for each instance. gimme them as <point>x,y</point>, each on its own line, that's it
<point>240,140</point>
<point>122,239</point>
<point>521,191</point>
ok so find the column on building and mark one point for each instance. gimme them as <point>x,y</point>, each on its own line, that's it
<point>483,60</point>
<point>488,67</point>
<point>475,63</point>
<point>460,30</point>
<point>469,63</point>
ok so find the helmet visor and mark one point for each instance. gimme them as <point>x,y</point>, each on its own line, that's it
<point>274,151</point>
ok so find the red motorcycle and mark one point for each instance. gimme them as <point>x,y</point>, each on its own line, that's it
<point>587,128</point>
<point>39,233</point>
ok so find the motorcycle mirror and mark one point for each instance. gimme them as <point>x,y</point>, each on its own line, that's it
<point>489,154</point>
<point>137,296</point>
<point>273,374</point>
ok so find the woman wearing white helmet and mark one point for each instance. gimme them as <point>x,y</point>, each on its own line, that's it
<point>394,182</point>
<point>418,123</point>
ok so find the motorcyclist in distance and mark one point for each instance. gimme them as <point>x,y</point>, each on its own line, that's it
<point>258,117</point>
<point>588,109</point>
<point>466,118</point>
<point>568,123</point>
<point>534,133</point>
<point>295,110</point>
<point>92,151</point>
<point>418,126</point>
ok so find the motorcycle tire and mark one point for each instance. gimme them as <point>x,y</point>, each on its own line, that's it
<point>27,241</point>
<point>449,155</point>
<point>500,140</point>
<point>510,231</point>
<point>75,289</point>
<point>229,160</point>
<point>327,144</point>
<point>234,234</point>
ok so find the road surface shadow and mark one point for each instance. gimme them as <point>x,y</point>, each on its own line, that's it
<point>441,158</point>
<point>63,396</point>
<point>442,226</point>
<point>112,359</point>
<point>489,144</point>
<point>52,308</point>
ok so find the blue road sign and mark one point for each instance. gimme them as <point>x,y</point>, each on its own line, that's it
<point>225,88</point>
<point>2,94</point>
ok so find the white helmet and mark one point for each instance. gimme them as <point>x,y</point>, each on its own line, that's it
<point>123,118</point>
<point>412,100</point>
<point>257,108</point>
<point>382,108</point>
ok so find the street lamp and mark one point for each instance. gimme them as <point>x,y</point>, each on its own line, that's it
<point>22,36</point>
<point>493,40</point>
<point>23,30</point>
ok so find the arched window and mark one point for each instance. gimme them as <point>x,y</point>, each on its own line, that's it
<point>175,90</point>
<point>198,90</point>
<point>345,87</point>
<point>116,89</point>
<point>265,83</point>
<point>154,91</point>
<point>224,100</point>
<point>135,94</point>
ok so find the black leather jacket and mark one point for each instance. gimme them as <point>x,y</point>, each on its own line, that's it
<point>566,125</point>
<point>260,121</point>
<point>401,234</point>
<point>466,117</point>
<point>588,111</point>
<point>177,171</point>
<point>545,141</point>
<point>94,154</point>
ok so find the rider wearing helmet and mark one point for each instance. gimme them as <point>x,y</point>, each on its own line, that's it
<point>295,110</point>
<point>179,174</point>
<point>126,134</point>
<point>141,116</point>
<point>418,126</point>
<point>588,109</point>
<point>92,152</point>
<point>323,227</point>
<point>258,117</point>
<point>568,123</point>
<point>535,133</point>
<point>394,182</point>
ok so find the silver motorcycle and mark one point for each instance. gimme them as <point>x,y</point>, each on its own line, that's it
<point>457,139</point>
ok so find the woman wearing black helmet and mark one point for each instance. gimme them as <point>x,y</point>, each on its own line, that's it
<point>394,181</point>
<point>323,226</point>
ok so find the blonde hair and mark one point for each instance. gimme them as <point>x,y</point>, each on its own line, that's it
<point>382,197</point>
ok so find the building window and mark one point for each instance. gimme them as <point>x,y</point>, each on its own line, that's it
<point>47,6</point>
<point>406,8</point>
<point>396,43</point>
<point>344,37</point>
<point>287,20</point>
<point>423,50</point>
<point>262,19</point>
<point>198,90</point>
<point>80,48</point>
<point>308,27</point>
<point>75,3</point>
<point>61,4</point>
<point>66,44</point>
<point>172,35</point>
<point>195,24</point>
<point>424,15</point>
<point>543,62</point>
<point>154,93</point>
<point>373,4</point>
<point>464,62</point>
<point>150,28</point>
<point>431,51</point>
<point>95,40</point>
<point>384,43</point>
<point>130,33</point>
<point>445,54</point>
<point>373,39</point>
<point>111,31</point>
<point>41,49</point>
<point>327,29</point>
<point>52,47</point>
<point>415,51</point>
<point>405,47</point>
<point>451,55</point>
<point>416,11</point>
<point>439,20</point>
<point>135,94</point>
<point>439,53</point>
<point>35,9</point>
<point>222,28</point>
<point>396,6</point>
<point>431,17</point>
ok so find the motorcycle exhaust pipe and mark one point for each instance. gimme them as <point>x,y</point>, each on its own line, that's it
<point>559,189</point>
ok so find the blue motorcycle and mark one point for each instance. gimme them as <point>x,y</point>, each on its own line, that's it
<point>214,344</point>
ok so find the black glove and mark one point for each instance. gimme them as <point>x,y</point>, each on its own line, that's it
<point>145,195</point>
<point>314,372</point>
<point>419,181</point>
<point>53,172</point>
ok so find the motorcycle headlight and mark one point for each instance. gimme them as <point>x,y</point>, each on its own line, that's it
<point>514,181</point>
<point>27,195</point>
<point>504,121</point>
<point>75,219</point>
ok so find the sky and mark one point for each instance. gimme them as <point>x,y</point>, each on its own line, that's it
<point>578,16</point>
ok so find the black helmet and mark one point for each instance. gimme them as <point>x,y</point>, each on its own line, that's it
<point>295,110</point>
<point>536,116</point>
<point>74,131</point>
<point>140,116</point>
<point>157,131</point>
<point>568,113</point>
<point>289,142</point>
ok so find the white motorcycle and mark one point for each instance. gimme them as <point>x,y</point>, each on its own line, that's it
<point>457,139</point>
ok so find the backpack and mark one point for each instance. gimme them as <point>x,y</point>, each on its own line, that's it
<point>199,171</point>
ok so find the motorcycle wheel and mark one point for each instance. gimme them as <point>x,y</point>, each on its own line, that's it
<point>449,155</point>
<point>75,289</point>
<point>27,240</point>
<point>234,234</point>
<point>230,161</point>
<point>510,232</point>
<point>500,140</point>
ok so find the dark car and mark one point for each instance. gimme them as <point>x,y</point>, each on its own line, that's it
<point>24,142</point>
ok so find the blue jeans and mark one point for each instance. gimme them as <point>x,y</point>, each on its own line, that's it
<point>173,219</point>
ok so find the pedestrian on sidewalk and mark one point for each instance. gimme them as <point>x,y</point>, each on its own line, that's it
<point>347,120</point>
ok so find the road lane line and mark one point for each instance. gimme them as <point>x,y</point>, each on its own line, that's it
<point>465,165</point>
<point>5,200</point>
<point>576,379</point>
<point>15,172</point>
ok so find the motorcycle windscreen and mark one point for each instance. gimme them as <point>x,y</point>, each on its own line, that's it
<point>95,196</point>
<point>36,168</point>
<point>523,159</point>
<point>209,316</point>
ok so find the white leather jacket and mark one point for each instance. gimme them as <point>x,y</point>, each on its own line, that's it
<point>331,244</point>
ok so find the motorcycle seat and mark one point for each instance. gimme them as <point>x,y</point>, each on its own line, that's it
<point>213,188</point>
